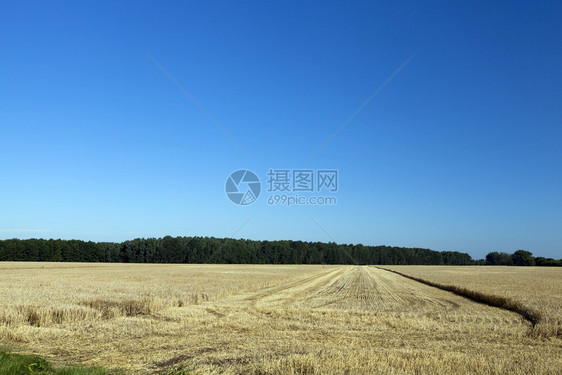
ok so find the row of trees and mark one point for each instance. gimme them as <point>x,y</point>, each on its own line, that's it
<point>227,250</point>
<point>520,258</point>
<point>216,250</point>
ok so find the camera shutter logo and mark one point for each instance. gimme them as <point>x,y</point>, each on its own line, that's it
<point>243,187</point>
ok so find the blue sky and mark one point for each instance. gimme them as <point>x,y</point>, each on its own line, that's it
<point>460,150</point>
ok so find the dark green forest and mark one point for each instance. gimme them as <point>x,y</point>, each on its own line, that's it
<point>241,251</point>
<point>216,250</point>
<point>520,258</point>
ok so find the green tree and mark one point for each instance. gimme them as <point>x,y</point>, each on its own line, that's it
<point>523,258</point>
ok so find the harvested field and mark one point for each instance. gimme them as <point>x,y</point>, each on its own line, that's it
<point>536,289</point>
<point>260,319</point>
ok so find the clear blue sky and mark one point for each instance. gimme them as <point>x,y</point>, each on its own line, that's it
<point>461,150</point>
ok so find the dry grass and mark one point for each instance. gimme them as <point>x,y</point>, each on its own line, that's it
<point>261,319</point>
<point>534,290</point>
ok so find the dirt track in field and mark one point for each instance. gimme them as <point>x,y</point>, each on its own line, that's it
<point>366,288</point>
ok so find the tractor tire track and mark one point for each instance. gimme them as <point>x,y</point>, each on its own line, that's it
<point>365,288</point>
<point>507,304</point>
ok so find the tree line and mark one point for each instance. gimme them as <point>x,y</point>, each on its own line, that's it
<point>230,251</point>
<point>216,250</point>
<point>520,258</point>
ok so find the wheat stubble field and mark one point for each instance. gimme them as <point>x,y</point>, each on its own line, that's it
<point>265,319</point>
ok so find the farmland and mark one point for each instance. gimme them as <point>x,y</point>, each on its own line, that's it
<point>265,319</point>
<point>538,290</point>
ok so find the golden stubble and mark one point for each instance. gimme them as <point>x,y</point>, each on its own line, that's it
<point>273,319</point>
